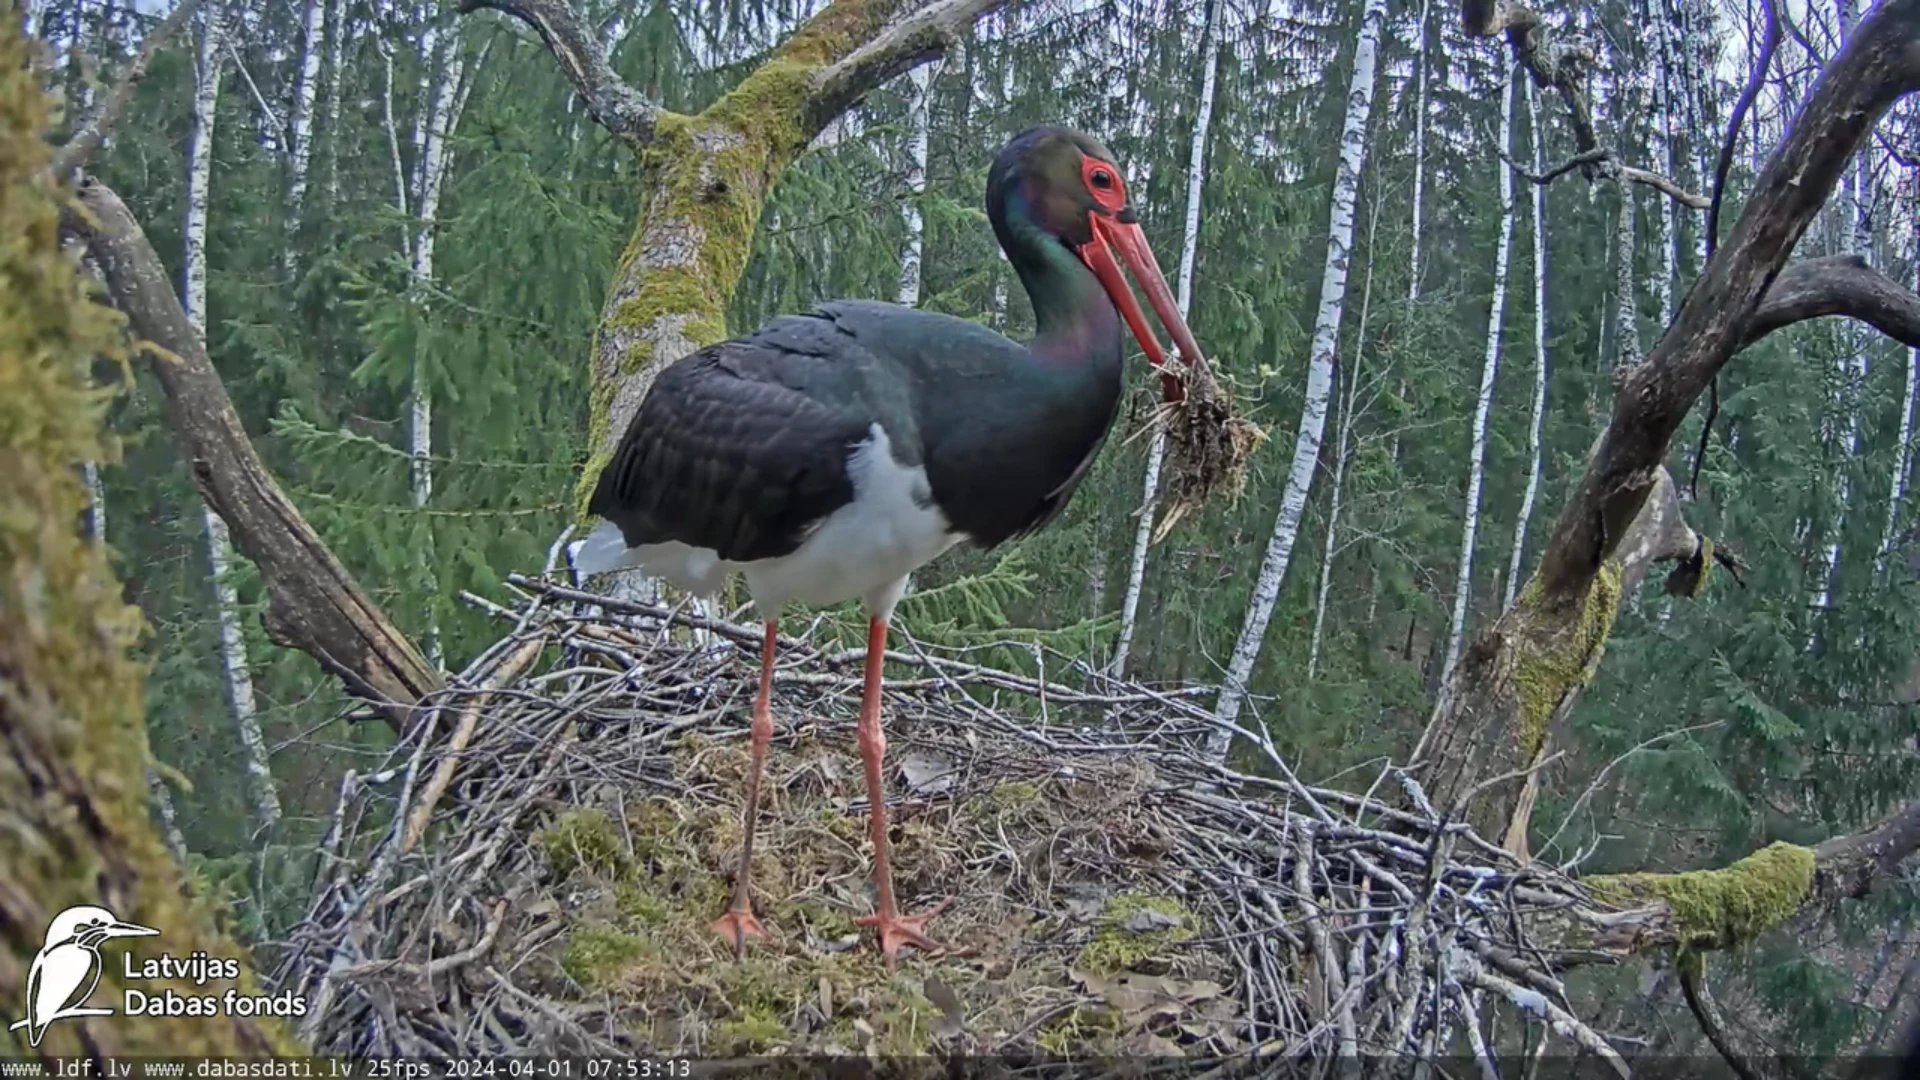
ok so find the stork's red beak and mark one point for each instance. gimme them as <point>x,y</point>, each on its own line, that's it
<point>1112,236</point>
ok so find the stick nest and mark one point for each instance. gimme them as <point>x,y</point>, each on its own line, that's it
<point>534,869</point>
<point>1209,443</point>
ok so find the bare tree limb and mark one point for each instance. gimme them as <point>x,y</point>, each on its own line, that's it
<point>314,603</point>
<point>1628,173</point>
<point>1837,285</point>
<point>914,40</point>
<point>80,149</point>
<point>1693,983</point>
<point>625,112</point>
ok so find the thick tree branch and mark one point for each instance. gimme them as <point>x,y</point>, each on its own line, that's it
<point>314,604</point>
<point>1837,285</point>
<point>80,149</point>
<point>1497,710</point>
<point>914,40</point>
<point>625,112</point>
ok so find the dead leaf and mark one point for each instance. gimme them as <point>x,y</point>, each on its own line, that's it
<point>927,773</point>
<point>1147,920</point>
<point>953,1019</point>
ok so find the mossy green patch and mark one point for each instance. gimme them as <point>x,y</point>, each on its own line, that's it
<point>585,839</point>
<point>597,954</point>
<point>1132,928</point>
<point>1723,908</point>
<point>1549,664</point>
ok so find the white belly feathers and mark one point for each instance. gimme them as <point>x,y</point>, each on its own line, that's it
<point>865,549</point>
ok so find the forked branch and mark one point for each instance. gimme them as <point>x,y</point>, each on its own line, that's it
<point>624,111</point>
<point>80,149</point>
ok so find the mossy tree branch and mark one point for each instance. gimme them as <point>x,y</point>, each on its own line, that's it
<point>73,747</point>
<point>625,112</point>
<point>315,605</point>
<point>1498,707</point>
<point>707,177</point>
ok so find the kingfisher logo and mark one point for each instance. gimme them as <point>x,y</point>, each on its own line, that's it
<point>68,967</point>
<point>67,971</point>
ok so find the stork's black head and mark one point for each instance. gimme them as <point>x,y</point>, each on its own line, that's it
<point>1054,185</point>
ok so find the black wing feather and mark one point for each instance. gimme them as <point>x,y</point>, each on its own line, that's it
<point>733,450</point>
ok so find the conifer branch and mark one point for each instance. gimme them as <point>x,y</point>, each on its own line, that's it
<point>624,111</point>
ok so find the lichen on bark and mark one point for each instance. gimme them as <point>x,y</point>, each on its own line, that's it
<point>72,780</point>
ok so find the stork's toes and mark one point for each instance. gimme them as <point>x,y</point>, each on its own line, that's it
<point>897,930</point>
<point>737,925</point>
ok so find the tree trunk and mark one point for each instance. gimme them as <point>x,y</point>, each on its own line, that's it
<point>1420,66</point>
<point>1626,305</point>
<point>336,89</point>
<point>306,89</point>
<point>1527,497</point>
<point>75,748</point>
<point>1660,151</point>
<point>1189,248</point>
<point>193,292</point>
<point>1349,408</point>
<point>1495,716</point>
<point>314,605</point>
<point>442,116</point>
<point>919,90</point>
<point>1313,414</point>
<point>1489,370</point>
<point>1903,445</point>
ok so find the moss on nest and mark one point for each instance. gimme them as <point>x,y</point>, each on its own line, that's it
<point>639,879</point>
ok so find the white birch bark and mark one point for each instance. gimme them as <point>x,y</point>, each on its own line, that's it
<point>1903,446</point>
<point>96,502</point>
<point>1626,317</point>
<point>1539,349</point>
<point>1489,369</point>
<point>169,818</point>
<point>919,89</point>
<point>1661,151</point>
<point>1313,413</point>
<point>1349,407</point>
<point>306,88</point>
<point>1419,157</point>
<point>1852,204</point>
<point>433,133</point>
<point>336,88</point>
<point>1189,248</point>
<point>233,643</point>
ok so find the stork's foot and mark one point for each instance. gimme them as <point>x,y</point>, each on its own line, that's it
<point>897,930</point>
<point>737,925</point>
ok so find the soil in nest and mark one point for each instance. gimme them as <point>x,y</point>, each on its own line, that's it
<point>1067,935</point>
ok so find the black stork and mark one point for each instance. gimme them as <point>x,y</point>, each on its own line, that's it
<point>829,455</point>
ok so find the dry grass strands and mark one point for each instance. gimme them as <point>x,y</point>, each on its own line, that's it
<point>1115,894</point>
<point>1209,445</point>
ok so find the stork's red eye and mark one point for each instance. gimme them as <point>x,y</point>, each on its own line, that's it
<point>1104,182</point>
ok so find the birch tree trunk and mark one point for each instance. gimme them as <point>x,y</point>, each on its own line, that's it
<point>1851,206</point>
<point>1626,316</point>
<point>1661,152</point>
<point>1189,247</point>
<point>1320,360</point>
<point>1903,446</point>
<point>1489,369</point>
<point>919,89</point>
<point>1349,407</point>
<point>1419,154</point>
<point>441,118</point>
<point>336,78</point>
<point>1539,348</point>
<point>306,88</point>
<point>193,295</point>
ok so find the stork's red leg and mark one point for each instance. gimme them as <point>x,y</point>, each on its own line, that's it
<point>738,924</point>
<point>895,929</point>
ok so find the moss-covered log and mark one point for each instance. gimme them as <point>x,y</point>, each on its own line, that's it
<point>72,788</point>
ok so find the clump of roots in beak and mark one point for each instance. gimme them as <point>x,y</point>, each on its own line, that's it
<point>1208,446</point>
